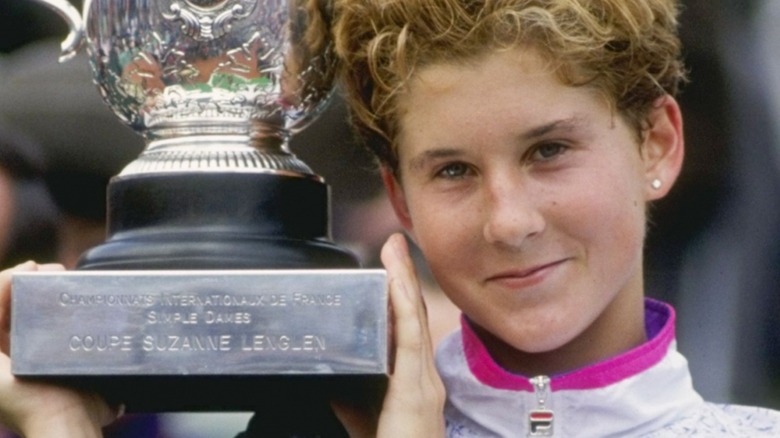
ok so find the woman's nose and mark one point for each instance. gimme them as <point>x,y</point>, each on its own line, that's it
<point>512,214</point>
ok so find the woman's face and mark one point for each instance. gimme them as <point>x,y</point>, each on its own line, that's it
<point>527,198</point>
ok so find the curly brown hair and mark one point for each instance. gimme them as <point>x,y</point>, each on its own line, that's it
<point>628,50</point>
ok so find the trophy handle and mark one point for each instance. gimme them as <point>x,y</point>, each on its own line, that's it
<point>71,15</point>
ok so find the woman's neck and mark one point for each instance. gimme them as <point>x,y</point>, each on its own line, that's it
<point>610,335</point>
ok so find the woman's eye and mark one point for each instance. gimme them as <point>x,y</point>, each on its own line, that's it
<point>453,171</point>
<point>548,151</point>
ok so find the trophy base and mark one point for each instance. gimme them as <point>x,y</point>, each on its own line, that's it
<point>198,251</point>
<point>280,395</point>
<point>282,407</point>
<point>220,220</point>
<point>215,291</point>
<point>204,340</point>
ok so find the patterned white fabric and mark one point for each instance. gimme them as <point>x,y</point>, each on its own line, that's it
<point>716,420</point>
<point>658,402</point>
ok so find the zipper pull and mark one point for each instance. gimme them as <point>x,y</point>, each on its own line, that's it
<point>540,420</point>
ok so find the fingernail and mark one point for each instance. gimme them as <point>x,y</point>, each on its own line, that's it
<point>120,411</point>
<point>26,265</point>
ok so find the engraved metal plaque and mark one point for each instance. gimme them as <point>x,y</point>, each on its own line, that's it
<point>207,323</point>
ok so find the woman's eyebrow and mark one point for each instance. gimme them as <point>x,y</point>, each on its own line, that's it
<point>567,124</point>
<point>420,161</point>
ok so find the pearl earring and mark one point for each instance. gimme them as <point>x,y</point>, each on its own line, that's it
<point>656,184</point>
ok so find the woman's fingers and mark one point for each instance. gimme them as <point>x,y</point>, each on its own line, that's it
<point>413,406</point>
<point>410,324</point>
<point>38,409</point>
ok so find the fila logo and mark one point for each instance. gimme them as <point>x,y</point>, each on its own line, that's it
<point>540,422</point>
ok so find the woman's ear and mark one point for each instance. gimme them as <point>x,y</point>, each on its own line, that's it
<point>395,193</point>
<point>663,147</point>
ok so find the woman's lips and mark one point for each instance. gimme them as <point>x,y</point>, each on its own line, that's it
<point>523,278</point>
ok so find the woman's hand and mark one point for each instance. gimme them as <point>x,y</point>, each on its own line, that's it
<point>35,409</point>
<point>414,403</point>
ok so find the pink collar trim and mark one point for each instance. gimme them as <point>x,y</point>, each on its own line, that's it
<point>659,324</point>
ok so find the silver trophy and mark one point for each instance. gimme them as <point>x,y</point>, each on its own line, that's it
<point>218,282</point>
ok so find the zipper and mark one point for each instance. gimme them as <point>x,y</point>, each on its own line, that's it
<point>540,419</point>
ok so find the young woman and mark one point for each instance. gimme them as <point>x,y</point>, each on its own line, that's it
<point>521,142</point>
